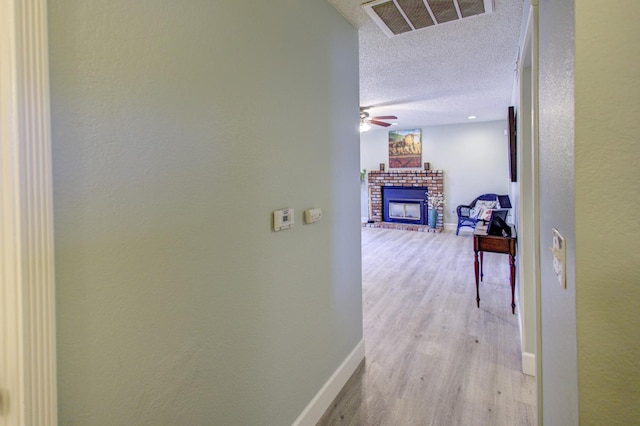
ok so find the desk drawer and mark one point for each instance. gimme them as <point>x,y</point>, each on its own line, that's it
<point>496,245</point>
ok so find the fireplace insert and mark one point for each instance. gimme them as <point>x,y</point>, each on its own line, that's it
<point>405,204</point>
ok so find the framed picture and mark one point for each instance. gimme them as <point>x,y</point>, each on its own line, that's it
<point>513,155</point>
<point>405,149</point>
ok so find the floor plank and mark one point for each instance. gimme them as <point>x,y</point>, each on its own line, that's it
<point>433,357</point>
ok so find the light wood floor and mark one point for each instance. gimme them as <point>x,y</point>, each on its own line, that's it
<point>433,357</point>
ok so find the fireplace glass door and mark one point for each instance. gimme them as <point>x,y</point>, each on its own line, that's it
<point>407,211</point>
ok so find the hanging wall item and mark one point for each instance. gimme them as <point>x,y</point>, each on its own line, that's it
<point>382,167</point>
<point>405,149</point>
<point>513,155</point>
<point>427,166</point>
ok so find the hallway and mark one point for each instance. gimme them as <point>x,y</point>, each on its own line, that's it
<point>432,357</point>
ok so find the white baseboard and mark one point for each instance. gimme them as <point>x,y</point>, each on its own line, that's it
<point>325,396</point>
<point>450,226</point>
<point>529,364</point>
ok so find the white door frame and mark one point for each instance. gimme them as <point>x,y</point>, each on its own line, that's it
<point>529,217</point>
<point>535,176</point>
<point>27,304</point>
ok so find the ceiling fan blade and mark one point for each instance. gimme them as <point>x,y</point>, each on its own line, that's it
<point>385,117</point>
<point>379,123</point>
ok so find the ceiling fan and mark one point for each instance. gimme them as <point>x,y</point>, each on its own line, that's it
<point>366,121</point>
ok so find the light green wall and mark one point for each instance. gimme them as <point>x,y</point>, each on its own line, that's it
<point>473,156</point>
<point>178,127</point>
<point>607,204</point>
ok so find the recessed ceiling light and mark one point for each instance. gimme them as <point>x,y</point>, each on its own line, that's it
<point>472,117</point>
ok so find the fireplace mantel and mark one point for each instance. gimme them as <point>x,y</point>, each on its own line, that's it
<point>431,179</point>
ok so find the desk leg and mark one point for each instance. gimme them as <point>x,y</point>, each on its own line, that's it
<point>512,266</point>
<point>481,266</point>
<point>477,269</point>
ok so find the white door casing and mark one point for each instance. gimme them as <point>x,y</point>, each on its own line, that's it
<point>27,328</point>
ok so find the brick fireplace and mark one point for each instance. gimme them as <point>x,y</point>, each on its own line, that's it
<point>430,179</point>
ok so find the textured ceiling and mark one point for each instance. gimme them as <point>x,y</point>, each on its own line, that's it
<point>441,74</point>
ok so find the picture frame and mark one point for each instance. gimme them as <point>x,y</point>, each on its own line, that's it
<point>405,148</point>
<point>513,155</point>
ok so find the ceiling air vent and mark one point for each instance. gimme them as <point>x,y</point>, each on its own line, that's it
<point>396,17</point>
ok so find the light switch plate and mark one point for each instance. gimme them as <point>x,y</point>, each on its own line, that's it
<point>559,251</point>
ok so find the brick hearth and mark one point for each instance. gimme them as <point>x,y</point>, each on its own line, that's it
<point>431,179</point>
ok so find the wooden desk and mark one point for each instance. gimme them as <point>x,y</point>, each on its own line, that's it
<point>494,244</point>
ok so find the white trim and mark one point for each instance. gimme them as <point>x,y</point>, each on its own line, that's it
<point>528,210</point>
<point>328,392</point>
<point>27,331</point>
<point>450,226</point>
<point>529,363</point>
<point>536,198</point>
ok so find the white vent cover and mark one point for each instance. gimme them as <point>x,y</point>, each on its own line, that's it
<point>396,17</point>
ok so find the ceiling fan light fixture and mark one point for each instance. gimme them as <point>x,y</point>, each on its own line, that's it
<point>366,121</point>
